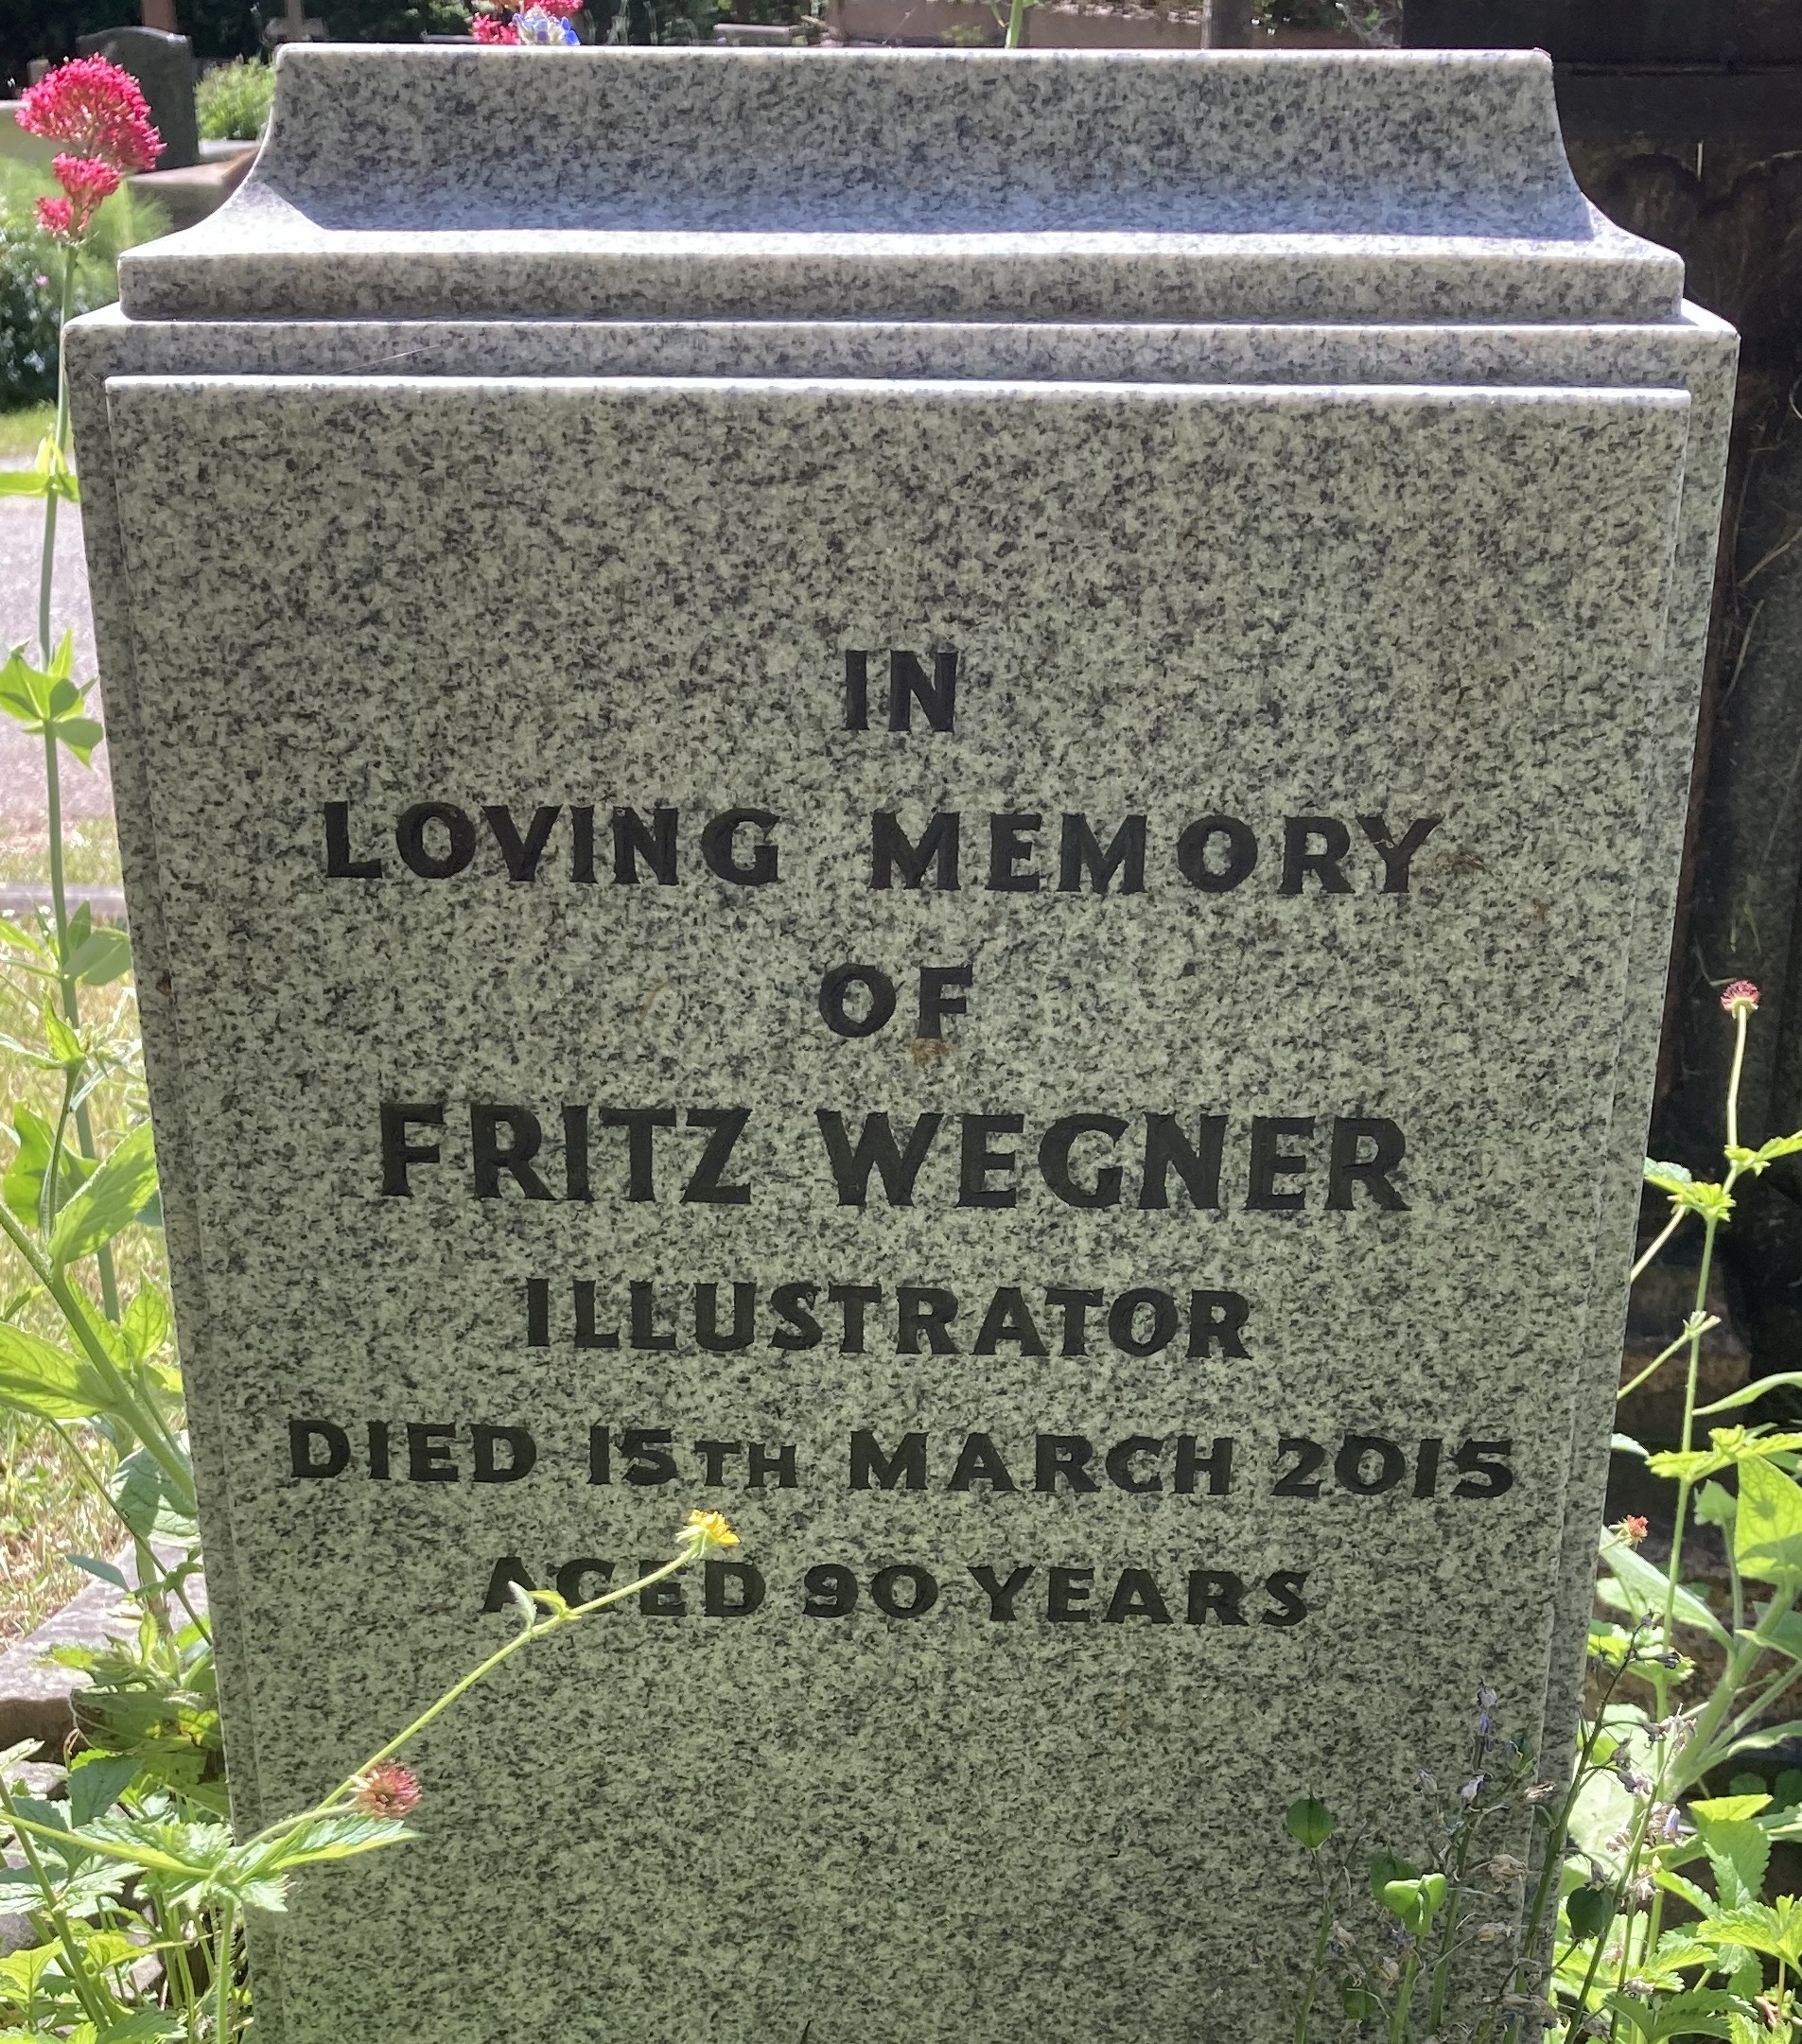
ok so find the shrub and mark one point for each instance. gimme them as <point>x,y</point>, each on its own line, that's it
<point>232,101</point>
<point>31,272</point>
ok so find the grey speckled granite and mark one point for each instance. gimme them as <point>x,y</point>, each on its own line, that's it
<point>1261,571</point>
<point>779,183</point>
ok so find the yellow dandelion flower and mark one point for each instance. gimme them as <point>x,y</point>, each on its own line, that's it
<point>708,1529</point>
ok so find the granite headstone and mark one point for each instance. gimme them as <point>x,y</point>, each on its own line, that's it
<point>933,797</point>
<point>164,66</point>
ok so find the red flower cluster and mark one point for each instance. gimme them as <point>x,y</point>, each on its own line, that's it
<point>96,109</point>
<point>1742,994</point>
<point>491,28</point>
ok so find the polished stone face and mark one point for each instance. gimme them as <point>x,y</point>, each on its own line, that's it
<point>1025,957</point>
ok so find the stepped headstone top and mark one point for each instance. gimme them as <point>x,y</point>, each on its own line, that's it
<point>908,184</point>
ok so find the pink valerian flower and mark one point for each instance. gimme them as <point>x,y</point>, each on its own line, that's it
<point>55,216</point>
<point>388,1789</point>
<point>489,28</point>
<point>88,181</point>
<point>559,9</point>
<point>1741,998</point>
<point>95,107</point>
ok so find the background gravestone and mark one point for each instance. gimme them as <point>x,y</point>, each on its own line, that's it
<point>164,67</point>
<point>952,863</point>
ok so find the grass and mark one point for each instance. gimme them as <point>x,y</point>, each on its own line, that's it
<point>48,1507</point>
<point>90,853</point>
<point>21,431</point>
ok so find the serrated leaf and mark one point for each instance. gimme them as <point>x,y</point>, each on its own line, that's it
<point>1738,1849</point>
<point>1667,1176</point>
<point>1715,1505</point>
<point>97,1782</point>
<point>1773,1929</point>
<point>149,2026</point>
<point>110,1201</point>
<point>1767,1531</point>
<point>326,1838</point>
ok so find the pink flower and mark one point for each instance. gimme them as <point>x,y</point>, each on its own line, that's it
<point>55,216</point>
<point>561,9</point>
<point>485,28</point>
<point>96,108</point>
<point>1741,998</point>
<point>388,1789</point>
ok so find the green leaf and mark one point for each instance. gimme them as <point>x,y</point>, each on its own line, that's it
<point>1773,1929</point>
<point>55,1384</point>
<point>22,483</point>
<point>1588,1912</point>
<point>1765,1738</point>
<point>1310,1822</point>
<point>110,1201</point>
<point>1416,1902</point>
<point>1749,1394</point>
<point>96,1781</point>
<point>1698,1898</point>
<point>1703,2012</point>
<point>149,1503</point>
<point>149,2026</point>
<point>1767,1533</point>
<point>22,1186</point>
<point>1738,1849</point>
<point>81,735</point>
<point>22,1970</point>
<point>146,1324</point>
<point>1715,1505</point>
<point>1387,1867</point>
<point>101,1571</point>
<point>62,1043</point>
<point>326,1838</point>
<point>1645,1589</point>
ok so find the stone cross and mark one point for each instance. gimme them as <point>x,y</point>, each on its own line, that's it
<point>950,824</point>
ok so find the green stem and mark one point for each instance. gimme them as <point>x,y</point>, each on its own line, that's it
<point>1650,1257</point>
<point>1306,2012</point>
<point>144,1418</point>
<point>98,2013</point>
<point>1017,23</point>
<point>223,2020</point>
<point>52,760</point>
<point>1657,1363</point>
<point>537,1630</point>
<point>1405,1996</point>
<point>1710,1227</point>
